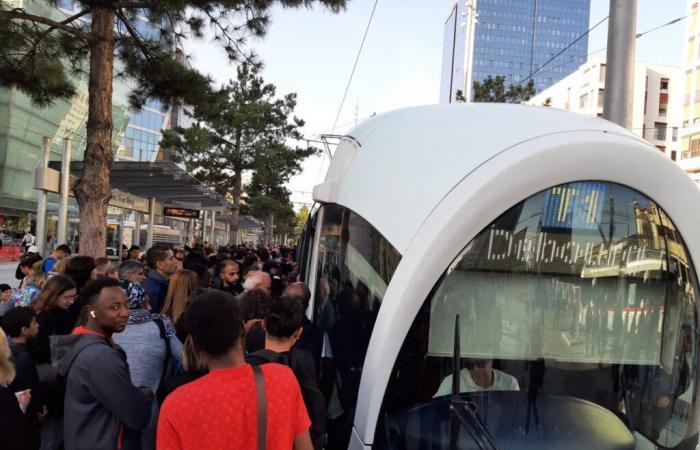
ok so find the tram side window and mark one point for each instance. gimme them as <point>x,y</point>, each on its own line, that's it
<point>355,266</point>
<point>306,247</point>
<point>580,299</point>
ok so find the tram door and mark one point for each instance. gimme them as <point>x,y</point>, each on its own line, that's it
<point>577,328</point>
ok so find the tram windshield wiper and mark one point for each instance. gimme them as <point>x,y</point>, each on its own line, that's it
<point>463,412</point>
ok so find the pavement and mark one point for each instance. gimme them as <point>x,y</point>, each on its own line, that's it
<point>7,273</point>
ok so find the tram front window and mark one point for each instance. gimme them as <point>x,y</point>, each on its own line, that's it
<point>355,266</point>
<point>577,329</point>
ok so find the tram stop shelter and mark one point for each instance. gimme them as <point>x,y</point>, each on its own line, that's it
<point>162,181</point>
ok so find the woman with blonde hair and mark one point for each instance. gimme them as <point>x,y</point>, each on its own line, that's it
<point>16,430</point>
<point>182,283</point>
<point>195,367</point>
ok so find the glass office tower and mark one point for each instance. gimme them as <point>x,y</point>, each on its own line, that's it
<point>514,38</point>
<point>135,136</point>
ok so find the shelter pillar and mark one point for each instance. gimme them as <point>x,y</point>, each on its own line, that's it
<point>122,221</point>
<point>151,222</point>
<point>43,201</point>
<point>204,225</point>
<point>212,232</point>
<point>64,188</point>
<point>136,237</point>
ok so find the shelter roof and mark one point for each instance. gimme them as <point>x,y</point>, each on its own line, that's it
<point>164,180</point>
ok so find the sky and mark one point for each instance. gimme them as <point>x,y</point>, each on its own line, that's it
<point>312,51</point>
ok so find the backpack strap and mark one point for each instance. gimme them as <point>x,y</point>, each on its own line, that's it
<point>261,397</point>
<point>168,352</point>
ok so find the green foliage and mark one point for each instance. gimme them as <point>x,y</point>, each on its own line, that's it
<point>245,129</point>
<point>302,217</point>
<point>493,90</point>
<point>42,50</point>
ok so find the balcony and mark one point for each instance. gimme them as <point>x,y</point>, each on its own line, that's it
<point>659,134</point>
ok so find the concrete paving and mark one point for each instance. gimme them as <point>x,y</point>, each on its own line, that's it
<point>7,273</point>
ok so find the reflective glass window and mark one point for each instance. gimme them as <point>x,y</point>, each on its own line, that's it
<point>577,324</point>
<point>355,266</point>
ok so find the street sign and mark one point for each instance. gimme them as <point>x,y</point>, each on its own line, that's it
<point>181,212</point>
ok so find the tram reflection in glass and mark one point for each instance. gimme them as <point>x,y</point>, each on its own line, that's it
<point>561,247</point>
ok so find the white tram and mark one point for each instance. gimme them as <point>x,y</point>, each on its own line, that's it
<point>561,245</point>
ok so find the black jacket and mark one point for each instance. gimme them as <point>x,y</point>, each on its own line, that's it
<point>26,377</point>
<point>302,364</point>
<point>51,321</point>
<point>102,406</point>
<point>16,429</point>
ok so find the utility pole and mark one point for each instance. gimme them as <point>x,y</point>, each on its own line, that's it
<point>469,49</point>
<point>62,232</point>
<point>619,64</point>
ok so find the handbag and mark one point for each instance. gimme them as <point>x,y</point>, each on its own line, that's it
<point>171,367</point>
<point>261,400</point>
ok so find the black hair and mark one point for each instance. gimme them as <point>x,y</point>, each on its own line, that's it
<point>134,247</point>
<point>201,270</point>
<point>194,258</point>
<point>249,260</point>
<point>17,318</point>
<point>263,254</point>
<point>92,289</point>
<point>63,248</point>
<point>5,287</point>
<point>254,304</point>
<point>156,254</point>
<point>223,263</point>
<point>79,269</point>
<point>29,260</point>
<point>284,316</point>
<point>214,321</point>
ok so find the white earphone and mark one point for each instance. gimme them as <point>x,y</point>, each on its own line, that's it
<point>92,313</point>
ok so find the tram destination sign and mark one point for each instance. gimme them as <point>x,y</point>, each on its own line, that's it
<point>181,212</point>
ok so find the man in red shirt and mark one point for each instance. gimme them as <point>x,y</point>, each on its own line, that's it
<point>220,410</point>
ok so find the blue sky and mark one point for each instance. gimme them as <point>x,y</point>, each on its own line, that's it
<point>311,52</point>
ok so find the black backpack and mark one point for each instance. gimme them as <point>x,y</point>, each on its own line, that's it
<point>302,364</point>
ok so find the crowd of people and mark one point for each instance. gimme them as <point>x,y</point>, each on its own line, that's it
<point>191,348</point>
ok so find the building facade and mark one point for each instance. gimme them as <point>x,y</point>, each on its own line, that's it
<point>690,130</point>
<point>513,38</point>
<point>135,137</point>
<point>657,99</point>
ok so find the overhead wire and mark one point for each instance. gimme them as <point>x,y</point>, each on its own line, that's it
<point>636,36</point>
<point>357,59</point>
<point>571,44</point>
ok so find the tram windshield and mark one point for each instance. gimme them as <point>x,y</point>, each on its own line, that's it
<point>577,329</point>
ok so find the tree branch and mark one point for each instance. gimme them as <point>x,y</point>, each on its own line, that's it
<point>46,32</point>
<point>22,15</point>
<point>134,34</point>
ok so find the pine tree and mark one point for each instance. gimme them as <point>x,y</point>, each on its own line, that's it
<point>42,53</point>
<point>246,131</point>
<point>493,90</point>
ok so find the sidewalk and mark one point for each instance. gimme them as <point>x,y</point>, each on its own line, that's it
<point>7,273</point>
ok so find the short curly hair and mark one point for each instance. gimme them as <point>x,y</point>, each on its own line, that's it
<point>214,321</point>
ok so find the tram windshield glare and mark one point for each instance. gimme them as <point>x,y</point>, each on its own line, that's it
<point>577,329</point>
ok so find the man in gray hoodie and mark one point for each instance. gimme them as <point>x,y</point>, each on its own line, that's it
<point>103,409</point>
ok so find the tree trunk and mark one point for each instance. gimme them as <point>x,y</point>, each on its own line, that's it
<point>268,229</point>
<point>236,194</point>
<point>93,189</point>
